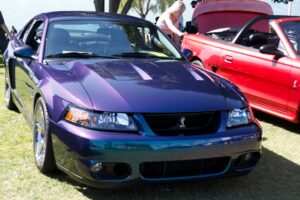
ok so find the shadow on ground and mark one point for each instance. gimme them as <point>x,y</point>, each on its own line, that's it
<point>289,126</point>
<point>274,178</point>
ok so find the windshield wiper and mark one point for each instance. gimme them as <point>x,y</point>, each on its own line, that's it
<point>142,55</point>
<point>136,54</point>
<point>79,54</point>
<point>133,54</point>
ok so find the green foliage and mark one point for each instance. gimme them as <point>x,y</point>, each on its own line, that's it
<point>163,4</point>
<point>143,7</point>
<point>1,62</point>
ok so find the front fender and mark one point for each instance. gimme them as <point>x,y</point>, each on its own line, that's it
<point>59,88</point>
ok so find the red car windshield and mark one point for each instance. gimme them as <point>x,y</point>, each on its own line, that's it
<point>292,31</point>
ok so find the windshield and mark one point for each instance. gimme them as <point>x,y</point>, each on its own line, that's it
<point>91,38</point>
<point>292,31</point>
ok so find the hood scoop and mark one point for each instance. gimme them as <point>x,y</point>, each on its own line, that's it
<point>142,73</point>
<point>116,71</point>
<point>148,86</point>
<point>145,71</point>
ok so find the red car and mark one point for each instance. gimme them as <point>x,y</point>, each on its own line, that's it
<point>260,56</point>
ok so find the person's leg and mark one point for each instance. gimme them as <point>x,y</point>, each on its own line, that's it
<point>3,42</point>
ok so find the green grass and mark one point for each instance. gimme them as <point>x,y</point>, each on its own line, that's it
<point>1,62</point>
<point>276,177</point>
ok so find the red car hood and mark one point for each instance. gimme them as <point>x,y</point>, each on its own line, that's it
<point>234,13</point>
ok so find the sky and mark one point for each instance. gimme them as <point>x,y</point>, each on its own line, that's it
<point>18,12</point>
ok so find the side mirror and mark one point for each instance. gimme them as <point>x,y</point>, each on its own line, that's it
<point>24,52</point>
<point>187,53</point>
<point>13,30</point>
<point>271,49</point>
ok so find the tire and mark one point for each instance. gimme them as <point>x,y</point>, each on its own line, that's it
<point>42,143</point>
<point>10,105</point>
<point>198,63</point>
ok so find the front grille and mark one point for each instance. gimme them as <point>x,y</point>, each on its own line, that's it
<point>184,124</point>
<point>173,169</point>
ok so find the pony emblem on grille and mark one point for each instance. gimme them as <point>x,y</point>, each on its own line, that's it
<point>182,121</point>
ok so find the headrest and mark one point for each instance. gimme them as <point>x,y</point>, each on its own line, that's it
<point>258,39</point>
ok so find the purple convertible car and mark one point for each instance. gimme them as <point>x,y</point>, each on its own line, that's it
<point>112,101</point>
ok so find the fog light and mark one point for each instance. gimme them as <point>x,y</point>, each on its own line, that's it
<point>247,160</point>
<point>96,168</point>
<point>247,157</point>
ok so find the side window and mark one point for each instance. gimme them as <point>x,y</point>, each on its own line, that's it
<point>34,36</point>
<point>25,31</point>
<point>261,33</point>
<point>256,35</point>
<point>277,42</point>
<point>292,32</point>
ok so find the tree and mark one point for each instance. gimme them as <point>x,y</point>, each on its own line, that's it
<point>99,5</point>
<point>163,4</point>
<point>126,7</point>
<point>114,6</point>
<point>142,7</point>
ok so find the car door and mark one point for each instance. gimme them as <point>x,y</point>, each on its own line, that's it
<point>290,31</point>
<point>25,79</point>
<point>263,78</point>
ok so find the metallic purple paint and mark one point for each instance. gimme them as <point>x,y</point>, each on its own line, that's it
<point>172,87</point>
<point>132,85</point>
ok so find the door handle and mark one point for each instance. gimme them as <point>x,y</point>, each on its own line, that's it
<point>228,59</point>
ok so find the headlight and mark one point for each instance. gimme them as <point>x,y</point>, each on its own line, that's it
<point>101,121</point>
<point>238,117</point>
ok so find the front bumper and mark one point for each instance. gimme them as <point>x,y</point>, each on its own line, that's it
<point>77,149</point>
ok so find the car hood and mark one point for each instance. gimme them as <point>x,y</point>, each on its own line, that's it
<point>147,86</point>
